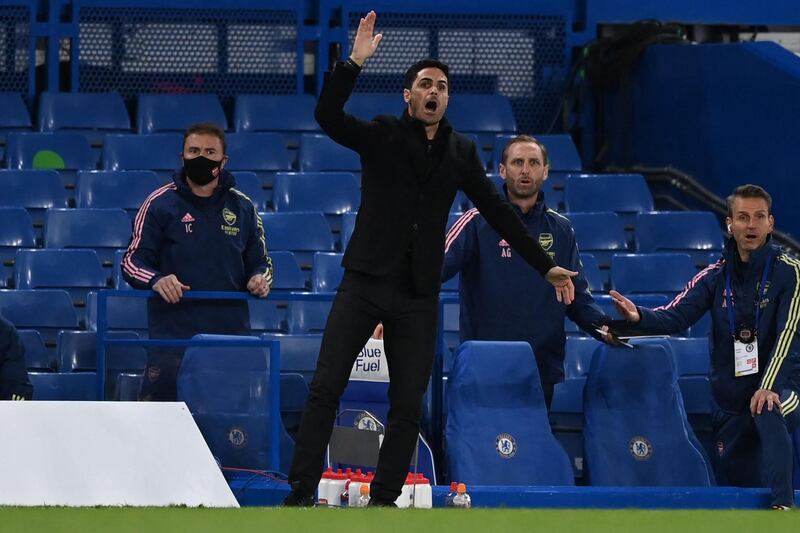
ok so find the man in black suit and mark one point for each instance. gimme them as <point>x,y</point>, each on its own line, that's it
<point>412,167</point>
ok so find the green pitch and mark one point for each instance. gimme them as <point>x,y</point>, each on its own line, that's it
<point>56,520</point>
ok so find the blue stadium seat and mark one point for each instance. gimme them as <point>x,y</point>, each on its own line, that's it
<point>497,429</point>
<point>326,272</point>
<point>495,116</point>
<point>249,184</point>
<point>319,153</point>
<point>367,106</point>
<point>330,193</point>
<point>35,190</point>
<point>294,392</point>
<point>77,352</point>
<point>128,385</point>
<point>65,152</point>
<point>307,317</point>
<point>227,392</point>
<point>651,273</point>
<point>14,114</point>
<point>122,313</point>
<point>483,148</point>
<point>267,316</point>
<point>91,114</point>
<point>578,353</point>
<point>58,386</point>
<point>159,152</point>
<point>158,113</point>
<point>302,233</point>
<point>76,271</point>
<point>561,151</point>
<point>125,189</point>
<point>36,356</point>
<point>299,353</point>
<point>602,235</point>
<point>286,114</point>
<point>348,225</point>
<point>46,310</point>
<point>636,431</point>
<point>103,230</point>
<point>693,232</point>
<point>626,194</point>
<point>691,356</point>
<point>287,273</point>
<point>592,273</point>
<point>262,153</point>
<point>16,231</point>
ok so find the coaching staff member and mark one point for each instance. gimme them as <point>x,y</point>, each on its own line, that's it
<point>411,169</point>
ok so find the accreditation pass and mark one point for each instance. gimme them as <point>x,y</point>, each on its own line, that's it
<point>746,357</point>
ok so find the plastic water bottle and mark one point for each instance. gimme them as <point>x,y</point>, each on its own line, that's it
<point>462,499</point>
<point>422,496</point>
<point>323,489</point>
<point>448,500</point>
<point>363,498</point>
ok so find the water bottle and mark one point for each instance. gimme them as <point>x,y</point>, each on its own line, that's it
<point>448,500</point>
<point>363,498</point>
<point>462,499</point>
<point>323,490</point>
<point>422,497</point>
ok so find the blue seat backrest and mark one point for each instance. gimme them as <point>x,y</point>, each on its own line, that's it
<point>561,151</point>
<point>248,184</point>
<point>299,353</point>
<point>104,112</point>
<point>326,272</point>
<point>13,112</point>
<point>125,189</point>
<point>118,282</point>
<point>651,273</point>
<point>227,391</point>
<point>495,116</point>
<point>60,386</point>
<point>305,231</point>
<point>176,112</point>
<point>591,271</point>
<point>678,231</point>
<point>598,231</point>
<point>257,151</point>
<point>16,228</point>
<point>58,268</point>
<point>330,192</point>
<point>348,225</point>
<point>497,429</point>
<point>32,189</point>
<point>77,352</point>
<point>159,151</point>
<point>40,308</point>
<point>578,356</point>
<point>691,355</point>
<point>87,228</point>
<point>68,151</point>
<point>36,356</point>
<point>319,153</point>
<point>636,431</point>
<point>367,106</point>
<point>267,316</point>
<point>121,313</point>
<point>293,112</point>
<point>287,273</point>
<point>621,193</point>
<point>308,317</point>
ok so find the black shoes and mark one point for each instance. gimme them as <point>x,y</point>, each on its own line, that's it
<point>298,498</point>
<point>377,502</point>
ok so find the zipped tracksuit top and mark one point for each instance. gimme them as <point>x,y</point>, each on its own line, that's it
<point>210,244</point>
<point>502,297</point>
<point>778,342</point>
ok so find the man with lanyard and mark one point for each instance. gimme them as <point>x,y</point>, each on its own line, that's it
<point>753,293</point>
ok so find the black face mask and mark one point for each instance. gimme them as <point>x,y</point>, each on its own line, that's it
<point>200,169</point>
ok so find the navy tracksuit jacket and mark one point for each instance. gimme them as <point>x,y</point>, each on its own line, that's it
<point>503,298</point>
<point>14,384</point>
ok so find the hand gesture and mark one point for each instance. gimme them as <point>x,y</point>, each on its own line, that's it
<point>365,43</point>
<point>378,333</point>
<point>764,396</point>
<point>561,279</point>
<point>258,286</point>
<point>626,308</point>
<point>170,288</point>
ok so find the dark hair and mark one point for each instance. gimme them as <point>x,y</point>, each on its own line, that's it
<point>206,128</point>
<point>749,191</point>
<point>413,70</point>
<point>526,139</point>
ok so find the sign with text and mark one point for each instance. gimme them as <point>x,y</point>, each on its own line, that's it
<point>371,364</point>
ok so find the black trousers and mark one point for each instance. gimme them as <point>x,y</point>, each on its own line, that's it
<point>757,451</point>
<point>409,323</point>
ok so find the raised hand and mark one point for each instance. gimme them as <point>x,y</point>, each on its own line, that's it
<point>365,43</point>
<point>561,279</point>
<point>626,308</point>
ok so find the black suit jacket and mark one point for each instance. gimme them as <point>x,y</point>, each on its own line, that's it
<point>405,204</point>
